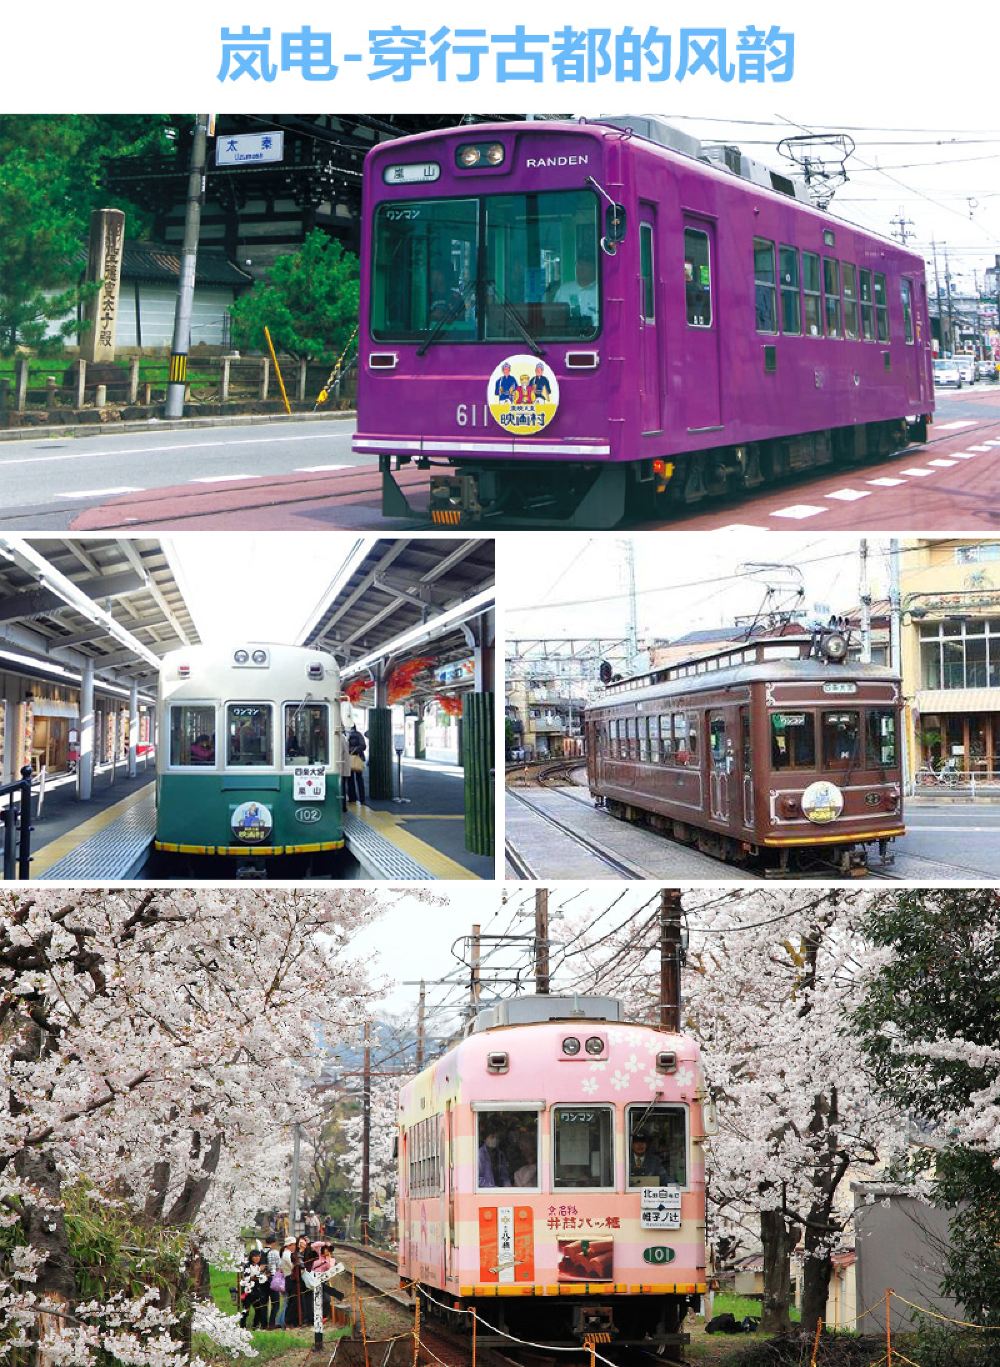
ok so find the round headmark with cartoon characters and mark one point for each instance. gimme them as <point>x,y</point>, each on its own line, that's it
<point>251,823</point>
<point>523,395</point>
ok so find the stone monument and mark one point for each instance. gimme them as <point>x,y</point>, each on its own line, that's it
<point>104,265</point>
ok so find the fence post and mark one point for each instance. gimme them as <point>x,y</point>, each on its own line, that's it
<point>888,1326</point>
<point>303,368</point>
<point>50,392</point>
<point>24,844</point>
<point>4,395</point>
<point>147,395</point>
<point>819,1330</point>
<point>100,395</point>
<point>9,857</point>
<point>21,383</point>
<point>416,1328</point>
<point>224,379</point>
<point>81,381</point>
<point>265,376</point>
<point>133,379</point>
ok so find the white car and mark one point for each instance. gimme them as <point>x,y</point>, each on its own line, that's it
<point>966,362</point>
<point>947,372</point>
<point>986,369</point>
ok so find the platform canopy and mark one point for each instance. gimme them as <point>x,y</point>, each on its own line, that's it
<point>398,599</point>
<point>115,601</point>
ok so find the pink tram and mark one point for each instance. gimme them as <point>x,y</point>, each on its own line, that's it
<point>551,1176</point>
<point>584,318</point>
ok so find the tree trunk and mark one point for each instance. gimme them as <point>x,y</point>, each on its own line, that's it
<point>817,1269</point>
<point>776,1239</point>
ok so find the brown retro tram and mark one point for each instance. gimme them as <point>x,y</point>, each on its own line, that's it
<point>780,752</point>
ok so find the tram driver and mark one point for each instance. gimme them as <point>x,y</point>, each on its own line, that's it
<point>494,1169</point>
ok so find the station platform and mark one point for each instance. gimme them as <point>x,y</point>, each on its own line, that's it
<point>110,842</point>
<point>429,828</point>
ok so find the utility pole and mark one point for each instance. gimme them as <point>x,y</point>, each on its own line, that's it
<point>633,611</point>
<point>937,291</point>
<point>366,1135</point>
<point>474,979</point>
<point>542,941</point>
<point>177,378</point>
<point>421,1024</point>
<point>951,308</point>
<point>293,1195</point>
<point>895,646</point>
<point>866,607</point>
<point>902,225</point>
<point>670,959</point>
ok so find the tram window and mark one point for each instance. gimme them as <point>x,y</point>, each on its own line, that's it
<point>764,285</point>
<point>583,1154</point>
<point>882,738</point>
<point>793,740</point>
<point>192,734</point>
<point>811,294</point>
<point>424,1154</point>
<point>831,295</point>
<point>425,265</point>
<point>666,741</point>
<point>791,304</point>
<point>507,1144</point>
<point>850,274</point>
<point>541,268</point>
<point>697,279</point>
<point>841,734</point>
<point>654,740</point>
<point>867,306</point>
<point>646,271</point>
<point>657,1146</point>
<point>643,725</point>
<point>681,752</point>
<point>906,291</point>
<point>307,733</point>
<point>248,730</point>
<point>692,736</point>
<point>881,309</point>
<point>717,739</point>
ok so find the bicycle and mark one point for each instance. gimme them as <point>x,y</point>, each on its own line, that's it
<point>946,776</point>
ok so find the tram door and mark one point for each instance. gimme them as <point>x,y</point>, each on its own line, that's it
<point>701,397</point>
<point>651,393</point>
<point>449,1167</point>
<point>746,747</point>
<point>723,765</point>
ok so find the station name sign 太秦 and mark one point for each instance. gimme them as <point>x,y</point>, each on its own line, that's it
<point>249,149</point>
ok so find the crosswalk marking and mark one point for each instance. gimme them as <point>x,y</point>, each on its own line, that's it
<point>315,469</point>
<point>886,482</point>
<point>953,426</point>
<point>918,471</point>
<point>220,479</point>
<point>102,493</point>
<point>798,511</point>
<point>849,495</point>
<point>942,462</point>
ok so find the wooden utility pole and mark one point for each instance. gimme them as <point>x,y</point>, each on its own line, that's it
<point>366,1135</point>
<point>542,941</point>
<point>670,959</point>
<point>474,981</point>
<point>421,1024</point>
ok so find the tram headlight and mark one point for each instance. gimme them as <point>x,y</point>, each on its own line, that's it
<point>241,657</point>
<point>469,156</point>
<point>494,153</point>
<point>594,1045</point>
<point>571,1046</point>
<point>259,657</point>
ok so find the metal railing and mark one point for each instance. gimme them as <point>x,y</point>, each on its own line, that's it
<point>17,828</point>
<point>953,780</point>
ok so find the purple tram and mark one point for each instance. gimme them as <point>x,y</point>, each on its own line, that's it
<point>579,319</point>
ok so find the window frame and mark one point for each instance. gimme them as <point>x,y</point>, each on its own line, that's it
<point>853,761</point>
<point>881,310</point>
<point>906,298</point>
<point>791,768</point>
<point>871,736</point>
<point>792,290</point>
<point>647,273</point>
<point>535,1108</point>
<point>330,732</point>
<point>849,289</point>
<point>643,1107</point>
<point>867,304</point>
<point>832,296</point>
<point>812,294</point>
<point>762,284</point>
<point>690,284</point>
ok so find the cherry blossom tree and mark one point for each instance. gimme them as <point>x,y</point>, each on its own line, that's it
<point>155,1048</point>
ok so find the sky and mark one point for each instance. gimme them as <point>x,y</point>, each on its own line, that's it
<point>696,581</point>
<point>256,586</point>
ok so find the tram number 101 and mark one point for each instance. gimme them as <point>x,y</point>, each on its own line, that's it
<point>472,415</point>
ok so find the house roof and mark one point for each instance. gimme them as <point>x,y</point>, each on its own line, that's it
<point>158,262</point>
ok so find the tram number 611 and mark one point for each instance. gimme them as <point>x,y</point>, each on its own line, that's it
<point>472,415</point>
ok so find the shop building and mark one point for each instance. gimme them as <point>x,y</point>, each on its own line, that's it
<point>950,638</point>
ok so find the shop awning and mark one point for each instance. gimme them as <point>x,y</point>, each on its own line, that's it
<point>931,700</point>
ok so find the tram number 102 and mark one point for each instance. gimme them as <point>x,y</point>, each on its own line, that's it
<point>472,415</point>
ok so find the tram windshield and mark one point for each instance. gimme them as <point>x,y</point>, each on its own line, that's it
<point>657,1146</point>
<point>489,269</point>
<point>583,1155</point>
<point>793,740</point>
<point>248,729</point>
<point>307,733</point>
<point>841,738</point>
<point>192,734</point>
<point>882,752</point>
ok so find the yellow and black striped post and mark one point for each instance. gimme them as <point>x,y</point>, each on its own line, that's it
<point>177,375</point>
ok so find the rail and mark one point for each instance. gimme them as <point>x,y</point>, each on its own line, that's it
<point>17,828</point>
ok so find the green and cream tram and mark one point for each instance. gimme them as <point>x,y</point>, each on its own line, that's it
<point>249,759</point>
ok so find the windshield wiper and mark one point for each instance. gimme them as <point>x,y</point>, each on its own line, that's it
<point>454,311</point>
<point>511,312</point>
